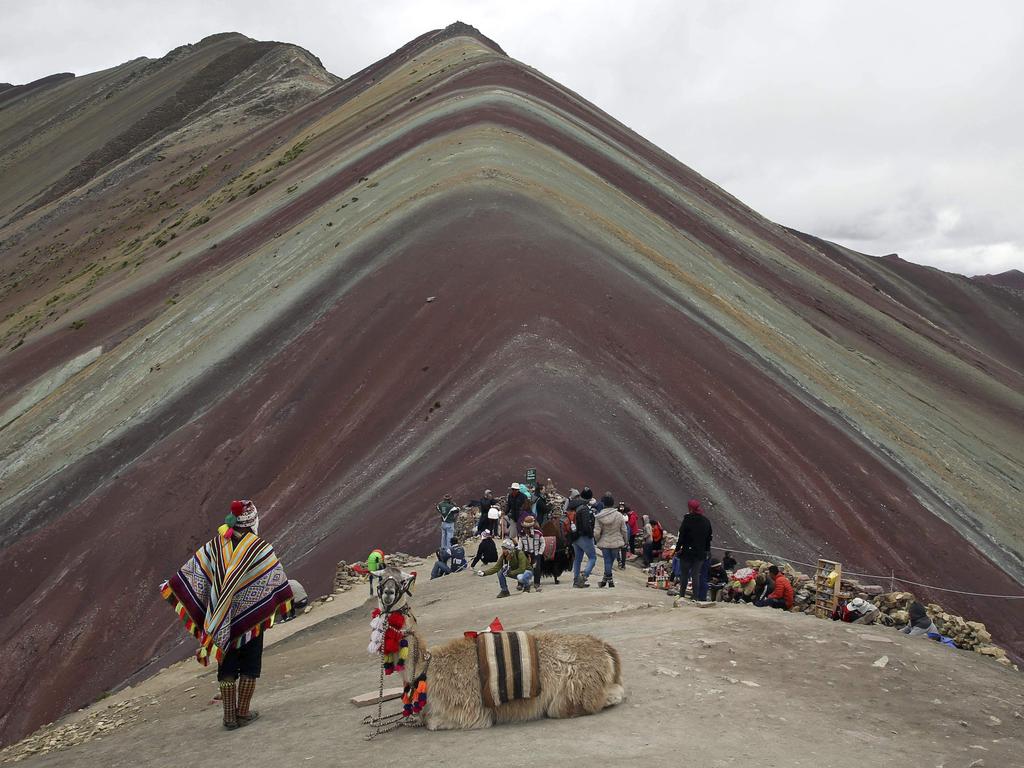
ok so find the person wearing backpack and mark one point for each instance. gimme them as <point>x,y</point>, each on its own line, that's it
<point>693,547</point>
<point>582,535</point>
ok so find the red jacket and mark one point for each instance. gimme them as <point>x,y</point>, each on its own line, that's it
<point>633,521</point>
<point>783,590</point>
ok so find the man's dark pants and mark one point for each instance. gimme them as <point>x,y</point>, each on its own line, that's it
<point>691,570</point>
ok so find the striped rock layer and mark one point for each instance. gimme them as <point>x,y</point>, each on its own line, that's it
<point>229,299</point>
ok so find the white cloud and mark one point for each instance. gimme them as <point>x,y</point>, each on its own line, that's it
<point>889,126</point>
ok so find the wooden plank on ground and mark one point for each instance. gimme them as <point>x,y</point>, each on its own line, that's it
<point>371,698</point>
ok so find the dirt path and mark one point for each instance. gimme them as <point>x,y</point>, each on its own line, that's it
<point>721,686</point>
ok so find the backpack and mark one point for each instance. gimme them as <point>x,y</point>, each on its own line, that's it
<point>584,522</point>
<point>657,532</point>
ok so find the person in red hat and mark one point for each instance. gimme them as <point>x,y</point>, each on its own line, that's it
<point>693,547</point>
<point>228,594</point>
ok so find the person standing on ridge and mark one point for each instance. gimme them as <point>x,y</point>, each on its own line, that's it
<point>693,547</point>
<point>486,522</point>
<point>531,541</point>
<point>610,534</point>
<point>448,512</point>
<point>228,593</point>
<point>540,506</point>
<point>582,535</point>
<point>374,563</point>
<point>514,503</point>
<point>635,531</point>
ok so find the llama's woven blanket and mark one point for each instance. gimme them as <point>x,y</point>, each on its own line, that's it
<point>550,542</point>
<point>509,667</point>
<point>227,593</point>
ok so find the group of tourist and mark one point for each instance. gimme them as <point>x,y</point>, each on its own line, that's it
<point>524,537</point>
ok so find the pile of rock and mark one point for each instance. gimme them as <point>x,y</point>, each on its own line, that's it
<point>465,523</point>
<point>52,738</point>
<point>402,560</point>
<point>346,577</point>
<point>894,612</point>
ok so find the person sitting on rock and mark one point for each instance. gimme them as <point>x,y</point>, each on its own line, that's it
<point>457,562</point>
<point>717,579</point>
<point>728,562</point>
<point>921,623</point>
<point>487,552</point>
<point>441,566</point>
<point>781,595</point>
<point>512,562</point>
<point>858,611</point>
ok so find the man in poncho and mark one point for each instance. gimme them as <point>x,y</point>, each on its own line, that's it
<point>227,594</point>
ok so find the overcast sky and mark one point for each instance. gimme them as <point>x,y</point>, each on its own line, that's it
<point>886,126</point>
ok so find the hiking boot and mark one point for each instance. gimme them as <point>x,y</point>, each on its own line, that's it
<point>601,583</point>
<point>526,589</point>
<point>504,593</point>
<point>556,579</point>
<point>519,587</point>
<point>536,587</point>
<point>611,583</point>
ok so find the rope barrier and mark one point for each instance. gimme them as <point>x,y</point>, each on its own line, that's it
<point>890,577</point>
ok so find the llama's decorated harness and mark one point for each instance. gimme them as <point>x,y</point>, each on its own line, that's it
<point>388,638</point>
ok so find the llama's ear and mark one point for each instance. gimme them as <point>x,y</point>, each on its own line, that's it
<point>380,573</point>
<point>408,581</point>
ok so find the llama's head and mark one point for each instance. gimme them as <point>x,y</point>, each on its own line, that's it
<point>393,588</point>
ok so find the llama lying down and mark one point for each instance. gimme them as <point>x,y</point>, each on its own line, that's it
<point>499,677</point>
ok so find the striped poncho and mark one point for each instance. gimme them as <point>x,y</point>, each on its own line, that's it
<point>227,593</point>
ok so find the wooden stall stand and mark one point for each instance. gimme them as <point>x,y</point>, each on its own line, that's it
<point>826,599</point>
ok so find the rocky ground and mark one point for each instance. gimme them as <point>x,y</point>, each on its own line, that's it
<point>719,686</point>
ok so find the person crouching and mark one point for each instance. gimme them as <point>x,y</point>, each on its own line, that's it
<point>511,563</point>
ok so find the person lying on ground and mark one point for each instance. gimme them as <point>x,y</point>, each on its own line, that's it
<point>487,552</point>
<point>782,594</point>
<point>512,562</point>
<point>920,622</point>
